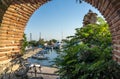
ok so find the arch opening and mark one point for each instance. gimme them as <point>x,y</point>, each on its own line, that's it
<point>16,14</point>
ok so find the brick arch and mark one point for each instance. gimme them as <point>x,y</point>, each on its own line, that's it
<point>14,14</point>
<point>13,21</point>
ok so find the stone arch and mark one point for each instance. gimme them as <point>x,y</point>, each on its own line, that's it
<point>14,18</point>
<point>14,14</point>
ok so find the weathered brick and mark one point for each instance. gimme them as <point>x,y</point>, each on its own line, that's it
<point>13,23</point>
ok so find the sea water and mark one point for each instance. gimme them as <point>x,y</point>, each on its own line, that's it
<point>51,55</point>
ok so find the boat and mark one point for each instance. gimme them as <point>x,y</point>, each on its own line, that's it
<point>34,65</point>
<point>43,52</point>
<point>40,57</point>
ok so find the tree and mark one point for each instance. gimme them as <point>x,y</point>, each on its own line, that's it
<point>24,44</point>
<point>41,42</point>
<point>88,54</point>
<point>33,43</point>
<point>54,40</point>
<point>50,42</point>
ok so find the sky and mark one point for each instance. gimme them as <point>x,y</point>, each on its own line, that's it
<point>57,19</point>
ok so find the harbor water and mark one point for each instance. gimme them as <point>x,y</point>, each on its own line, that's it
<point>51,55</point>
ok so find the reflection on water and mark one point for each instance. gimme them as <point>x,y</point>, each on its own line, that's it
<point>51,55</point>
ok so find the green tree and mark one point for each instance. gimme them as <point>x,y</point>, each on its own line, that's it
<point>50,42</point>
<point>54,40</point>
<point>88,54</point>
<point>33,43</point>
<point>41,42</point>
<point>24,44</point>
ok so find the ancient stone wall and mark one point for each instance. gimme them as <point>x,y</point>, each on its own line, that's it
<point>15,14</point>
<point>90,18</point>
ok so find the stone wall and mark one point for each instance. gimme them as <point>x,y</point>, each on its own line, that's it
<point>15,14</point>
<point>90,18</point>
<point>12,66</point>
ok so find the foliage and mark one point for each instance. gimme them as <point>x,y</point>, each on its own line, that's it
<point>33,43</point>
<point>50,42</point>
<point>54,40</point>
<point>41,42</point>
<point>80,1</point>
<point>88,54</point>
<point>24,44</point>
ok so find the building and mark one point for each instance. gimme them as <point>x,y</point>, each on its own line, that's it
<point>90,18</point>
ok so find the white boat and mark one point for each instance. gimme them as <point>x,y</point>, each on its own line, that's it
<point>40,57</point>
<point>34,65</point>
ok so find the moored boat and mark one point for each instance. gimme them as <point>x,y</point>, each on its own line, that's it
<point>40,57</point>
<point>43,52</point>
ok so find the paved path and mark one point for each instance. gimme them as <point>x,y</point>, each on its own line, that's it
<point>45,72</point>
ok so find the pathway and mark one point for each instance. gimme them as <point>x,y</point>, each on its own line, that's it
<point>46,73</point>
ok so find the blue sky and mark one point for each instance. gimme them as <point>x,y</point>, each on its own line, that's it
<point>57,19</point>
